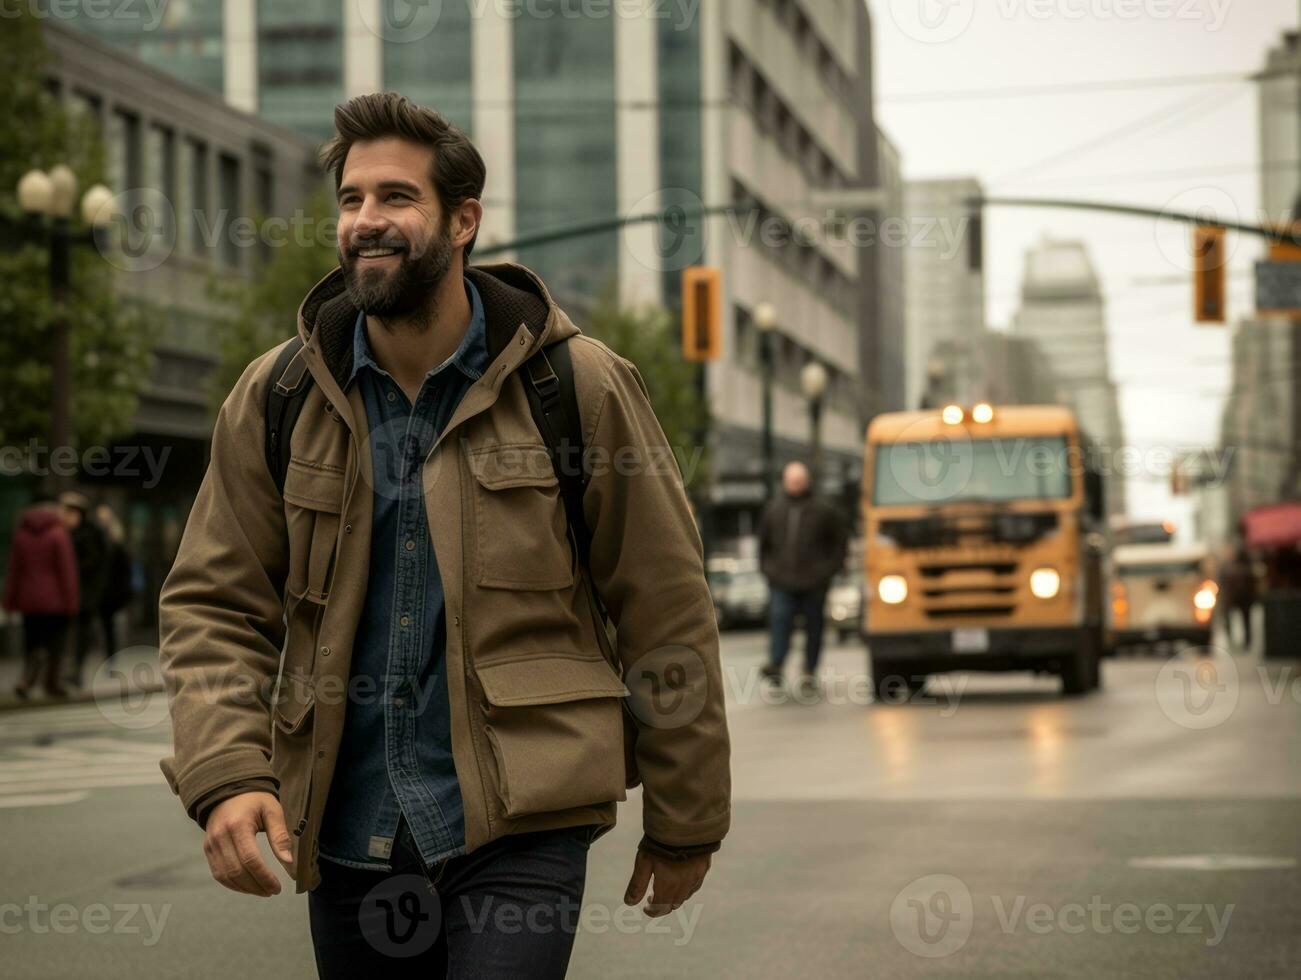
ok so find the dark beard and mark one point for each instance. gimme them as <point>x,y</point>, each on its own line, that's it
<point>408,290</point>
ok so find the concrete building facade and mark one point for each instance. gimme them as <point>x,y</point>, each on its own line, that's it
<point>1261,425</point>
<point>996,367</point>
<point>945,282</point>
<point>1063,311</point>
<point>892,259</point>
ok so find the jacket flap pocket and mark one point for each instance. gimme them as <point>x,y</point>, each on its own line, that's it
<point>513,466</point>
<point>294,703</point>
<point>548,679</point>
<point>314,488</point>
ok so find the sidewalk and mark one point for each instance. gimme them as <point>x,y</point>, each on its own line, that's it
<point>133,672</point>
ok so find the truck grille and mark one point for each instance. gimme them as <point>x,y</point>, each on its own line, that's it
<point>975,587</point>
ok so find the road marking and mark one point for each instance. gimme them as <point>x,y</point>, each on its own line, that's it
<point>40,799</point>
<point>116,781</point>
<point>57,756</point>
<point>1213,862</point>
<point>89,718</point>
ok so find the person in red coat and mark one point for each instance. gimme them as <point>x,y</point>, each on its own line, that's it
<point>41,584</point>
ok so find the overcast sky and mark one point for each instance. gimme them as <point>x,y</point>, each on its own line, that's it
<point>1183,146</point>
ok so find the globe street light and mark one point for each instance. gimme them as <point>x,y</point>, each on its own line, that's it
<point>765,321</point>
<point>49,200</point>
<point>813,382</point>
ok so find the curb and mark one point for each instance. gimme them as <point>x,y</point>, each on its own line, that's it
<point>10,702</point>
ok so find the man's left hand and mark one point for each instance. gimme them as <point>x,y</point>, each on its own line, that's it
<point>674,881</point>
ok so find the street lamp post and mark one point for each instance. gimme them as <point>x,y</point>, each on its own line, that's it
<point>813,381</point>
<point>52,197</point>
<point>765,321</point>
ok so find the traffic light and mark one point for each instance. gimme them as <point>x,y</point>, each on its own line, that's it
<point>1285,248</point>
<point>702,313</point>
<point>1209,259</point>
<point>1178,481</point>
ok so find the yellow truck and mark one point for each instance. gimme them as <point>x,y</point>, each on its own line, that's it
<point>986,538</point>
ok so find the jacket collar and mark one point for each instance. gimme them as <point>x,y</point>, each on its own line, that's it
<point>512,296</point>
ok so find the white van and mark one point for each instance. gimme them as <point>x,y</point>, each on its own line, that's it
<point>1161,594</point>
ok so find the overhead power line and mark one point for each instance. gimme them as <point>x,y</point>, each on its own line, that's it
<point>1063,88</point>
<point>1176,115</point>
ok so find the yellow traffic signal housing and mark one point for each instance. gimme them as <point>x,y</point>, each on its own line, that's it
<point>702,313</point>
<point>1209,260</point>
<point>1286,249</point>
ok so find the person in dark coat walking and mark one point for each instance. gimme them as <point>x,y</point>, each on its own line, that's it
<point>118,588</point>
<point>92,566</point>
<point>41,584</point>
<point>1238,593</point>
<point>802,541</point>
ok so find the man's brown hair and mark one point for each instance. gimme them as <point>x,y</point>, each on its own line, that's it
<point>458,171</point>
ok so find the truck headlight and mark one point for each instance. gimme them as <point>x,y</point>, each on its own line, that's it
<point>892,589</point>
<point>1045,583</point>
<point>1206,596</point>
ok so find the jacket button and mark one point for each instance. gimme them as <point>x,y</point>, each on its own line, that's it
<point>522,341</point>
<point>347,529</point>
<point>325,651</point>
<point>456,620</point>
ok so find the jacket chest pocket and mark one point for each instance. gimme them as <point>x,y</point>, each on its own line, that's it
<point>313,502</point>
<point>521,535</point>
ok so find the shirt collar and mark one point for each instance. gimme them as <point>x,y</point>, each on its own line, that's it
<point>470,358</point>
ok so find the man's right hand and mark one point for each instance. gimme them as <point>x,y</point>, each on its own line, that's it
<point>231,843</point>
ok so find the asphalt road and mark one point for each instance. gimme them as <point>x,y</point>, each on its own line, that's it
<point>988,829</point>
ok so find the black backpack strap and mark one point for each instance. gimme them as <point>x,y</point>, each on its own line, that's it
<point>549,384</point>
<point>285,400</point>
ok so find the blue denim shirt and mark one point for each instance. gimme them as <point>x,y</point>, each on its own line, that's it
<point>396,755</point>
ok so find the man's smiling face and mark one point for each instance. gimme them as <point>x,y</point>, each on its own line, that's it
<point>395,243</point>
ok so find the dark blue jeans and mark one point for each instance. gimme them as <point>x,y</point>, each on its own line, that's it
<point>783,608</point>
<point>507,910</point>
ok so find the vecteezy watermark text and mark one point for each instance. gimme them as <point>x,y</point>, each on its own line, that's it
<point>128,462</point>
<point>935,915</point>
<point>97,918</point>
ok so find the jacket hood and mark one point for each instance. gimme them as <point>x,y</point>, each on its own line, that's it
<point>40,519</point>
<point>511,294</point>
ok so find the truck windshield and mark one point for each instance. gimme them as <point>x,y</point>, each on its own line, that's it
<point>967,470</point>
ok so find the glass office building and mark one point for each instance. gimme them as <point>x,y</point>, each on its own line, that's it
<point>184,38</point>
<point>300,63</point>
<point>565,147</point>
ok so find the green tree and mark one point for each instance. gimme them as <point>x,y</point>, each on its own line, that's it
<point>110,338</point>
<point>265,313</point>
<point>649,337</point>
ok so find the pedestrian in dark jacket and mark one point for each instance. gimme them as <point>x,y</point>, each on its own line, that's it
<point>41,584</point>
<point>92,568</point>
<point>118,588</point>
<point>1238,593</point>
<point>802,542</point>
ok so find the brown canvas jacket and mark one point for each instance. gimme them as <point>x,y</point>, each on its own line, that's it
<point>260,609</point>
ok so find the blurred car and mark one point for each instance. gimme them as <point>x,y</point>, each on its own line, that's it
<point>740,592</point>
<point>1162,595</point>
<point>845,605</point>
